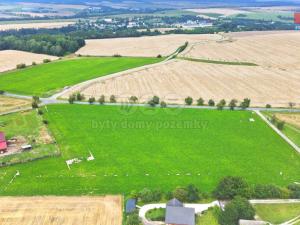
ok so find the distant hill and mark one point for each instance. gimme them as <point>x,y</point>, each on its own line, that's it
<point>170,3</point>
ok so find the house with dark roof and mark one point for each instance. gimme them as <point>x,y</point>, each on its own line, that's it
<point>177,214</point>
<point>3,143</point>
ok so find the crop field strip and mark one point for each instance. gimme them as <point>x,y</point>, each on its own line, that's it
<point>187,146</point>
<point>177,79</point>
<point>46,79</point>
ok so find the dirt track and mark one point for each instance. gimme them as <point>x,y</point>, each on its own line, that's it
<point>61,210</point>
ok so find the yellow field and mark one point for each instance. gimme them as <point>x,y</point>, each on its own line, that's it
<point>61,210</point>
<point>177,79</point>
<point>19,26</point>
<point>10,58</point>
<point>141,46</point>
<point>280,50</point>
<point>7,104</point>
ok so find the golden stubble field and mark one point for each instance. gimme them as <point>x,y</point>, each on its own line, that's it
<point>141,46</point>
<point>8,104</point>
<point>49,25</point>
<point>274,49</point>
<point>177,79</point>
<point>61,210</point>
<point>10,58</point>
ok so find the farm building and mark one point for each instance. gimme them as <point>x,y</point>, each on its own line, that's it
<point>177,214</point>
<point>3,143</point>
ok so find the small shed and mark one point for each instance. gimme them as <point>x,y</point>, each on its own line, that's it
<point>3,143</point>
<point>130,205</point>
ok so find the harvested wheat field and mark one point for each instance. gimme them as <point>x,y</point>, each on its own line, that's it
<point>291,118</point>
<point>8,104</point>
<point>48,25</point>
<point>279,50</point>
<point>141,46</point>
<point>177,79</point>
<point>61,210</point>
<point>222,11</point>
<point>10,58</point>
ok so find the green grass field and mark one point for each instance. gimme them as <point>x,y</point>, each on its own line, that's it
<point>210,217</point>
<point>268,16</point>
<point>45,79</point>
<point>152,147</point>
<point>277,213</point>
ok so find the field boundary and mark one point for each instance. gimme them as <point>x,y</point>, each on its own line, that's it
<point>284,137</point>
<point>218,62</point>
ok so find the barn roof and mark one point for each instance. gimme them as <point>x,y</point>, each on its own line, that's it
<point>2,136</point>
<point>180,215</point>
<point>175,203</point>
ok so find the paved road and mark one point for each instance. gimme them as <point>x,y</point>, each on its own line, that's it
<point>54,100</point>
<point>274,201</point>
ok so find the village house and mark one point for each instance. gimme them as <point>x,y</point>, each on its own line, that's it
<point>177,214</point>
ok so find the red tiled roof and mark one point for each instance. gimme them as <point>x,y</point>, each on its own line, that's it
<point>2,137</point>
<point>3,145</point>
<point>297,18</point>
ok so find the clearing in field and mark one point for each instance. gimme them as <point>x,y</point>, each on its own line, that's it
<point>141,46</point>
<point>46,79</point>
<point>271,50</point>
<point>8,104</point>
<point>138,147</point>
<point>278,213</point>
<point>177,79</point>
<point>61,210</point>
<point>50,25</point>
<point>9,59</point>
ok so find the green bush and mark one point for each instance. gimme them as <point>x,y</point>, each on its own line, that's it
<point>238,208</point>
<point>156,214</point>
<point>101,100</point>
<point>92,100</point>
<point>163,104</point>
<point>211,102</point>
<point>294,191</point>
<point>188,101</point>
<point>269,191</point>
<point>147,195</point>
<point>46,60</point>
<point>112,99</point>
<point>72,98</point>
<point>229,187</point>
<point>200,102</point>
<point>133,219</point>
<point>21,66</point>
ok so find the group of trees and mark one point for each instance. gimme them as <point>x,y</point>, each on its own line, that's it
<point>277,122</point>
<point>58,45</point>
<point>221,104</point>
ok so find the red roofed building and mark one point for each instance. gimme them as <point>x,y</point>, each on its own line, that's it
<point>3,143</point>
<point>297,18</point>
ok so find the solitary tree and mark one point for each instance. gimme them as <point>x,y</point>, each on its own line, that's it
<point>280,125</point>
<point>101,100</point>
<point>292,104</point>
<point>245,103</point>
<point>200,102</point>
<point>163,104</point>
<point>112,99</point>
<point>238,208</point>
<point>232,104</point>
<point>189,101</point>
<point>156,100</point>
<point>72,98</point>
<point>181,194</point>
<point>133,99</point>
<point>221,104</point>
<point>268,106</point>
<point>92,100</point>
<point>211,102</point>
<point>79,97</point>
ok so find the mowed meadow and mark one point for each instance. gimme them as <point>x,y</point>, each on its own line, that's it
<point>137,147</point>
<point>46,79</point>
